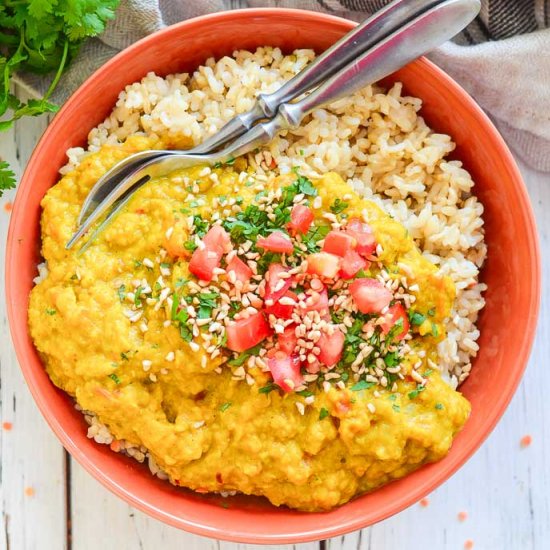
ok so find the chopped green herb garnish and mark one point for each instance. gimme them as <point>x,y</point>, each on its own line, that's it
<point>391,359</point>
<point>137,296</point>
<point>431,312</point>
<point>121,292</point>
<point>186,333</point>
<point>269,388</point>
<point>338,206</point>
<point>225,406</point>
<point>201,226</point>
<point>305,393</point>
<point>181,282</point>
<point>396,408</point>
<point>260,194</point>
<point>124,356</point>
<point>419,388</point>
<point>435,330</point>
<point>138,263</point>
<point>50,311</point>
<point>114,378</point>
<point>190,245</point>
<point>242,357</point>
<point>439,406</point>
<point>416,318</point>
<point>323,413</point>
<point>392,397</point>
<point>313,236</point>
<point>362,385</point>
<point>207,302</point>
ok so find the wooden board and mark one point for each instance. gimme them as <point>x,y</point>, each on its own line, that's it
<point>504,489</point>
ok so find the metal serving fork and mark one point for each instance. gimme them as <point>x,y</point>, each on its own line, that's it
<point>370,52</point>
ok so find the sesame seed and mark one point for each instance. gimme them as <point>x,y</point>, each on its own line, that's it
<point>371,407</point>
<point>300,407</point>
<point>194,346</point>
<point>170,356</point>
<point>146,364</point>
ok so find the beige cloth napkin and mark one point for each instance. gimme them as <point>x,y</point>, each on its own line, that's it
<point>502,59</point>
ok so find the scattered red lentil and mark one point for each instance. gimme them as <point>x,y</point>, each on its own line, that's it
<point>525,441</point>
<point>8,207</point>
<point>7,426</point>
<point>424,502</point>
<point>462,516</point>
<point>29,491</point>
<point>469,544</point>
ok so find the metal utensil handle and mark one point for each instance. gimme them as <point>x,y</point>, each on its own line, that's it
<point>427,31</point>
<point>351,45</point>
<point>374,29</point>
<point>416,38</point>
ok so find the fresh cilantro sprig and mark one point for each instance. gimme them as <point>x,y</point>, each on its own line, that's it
<point>42,36</point>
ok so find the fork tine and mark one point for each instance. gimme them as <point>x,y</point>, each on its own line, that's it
<point>118,172</point>
<point>108,219</point>
<point>112,196</point>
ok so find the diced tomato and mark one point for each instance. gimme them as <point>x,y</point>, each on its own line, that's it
<point>339,242</point>
<point>352,263</point>
<point>273,282</point>
<point>287,340</point>
<point>217,238</point>
<point>276,242</point>
<point>331,346</point>
<point>370,295</point>
<point>246,333</point>
<point>300,219</point>
<point>392,316</point>
<point>362,232</point>
<point>204,261</point>
<point>317,301</point>
<point>324,264</point>
<point>285,370</point>
<point>282,311</point>
<point>242,271</point>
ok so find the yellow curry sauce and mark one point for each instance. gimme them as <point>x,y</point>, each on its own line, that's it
<point>207,429</point>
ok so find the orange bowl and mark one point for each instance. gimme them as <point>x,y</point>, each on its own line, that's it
<point>512,273</point>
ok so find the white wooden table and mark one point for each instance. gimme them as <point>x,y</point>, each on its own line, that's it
<point>50,502</point>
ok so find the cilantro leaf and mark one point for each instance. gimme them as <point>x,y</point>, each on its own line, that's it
<point>7,177</point>
<point>42,37</point>
<point>323,413</point>
<point>338,206</point>
<point>362,385</point>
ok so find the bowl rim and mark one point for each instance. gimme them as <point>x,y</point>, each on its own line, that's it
<point>459,457</point>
